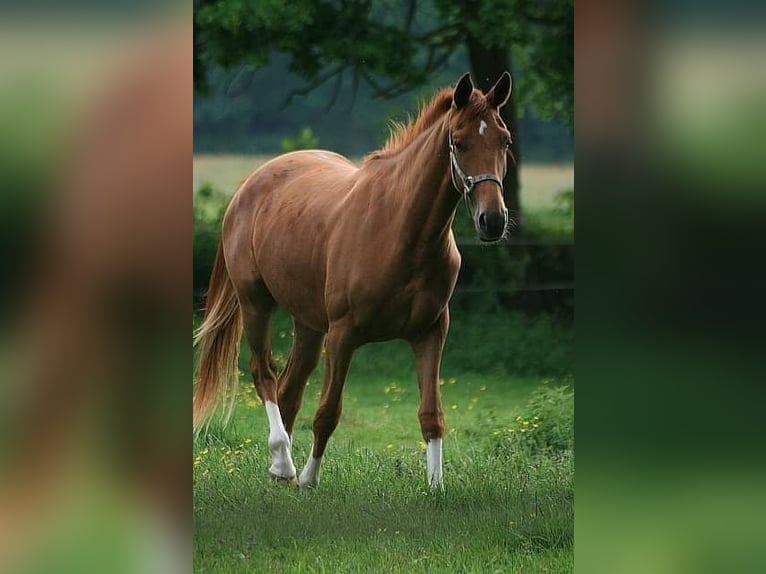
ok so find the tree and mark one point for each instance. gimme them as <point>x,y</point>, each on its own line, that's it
<point>396,46</point>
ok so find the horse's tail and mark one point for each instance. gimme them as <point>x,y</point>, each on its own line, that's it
<point>218,341</point>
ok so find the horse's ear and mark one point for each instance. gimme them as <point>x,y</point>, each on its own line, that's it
<point>500,92</point>
<point>463,91</point>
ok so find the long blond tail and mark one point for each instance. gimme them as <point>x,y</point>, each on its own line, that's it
<point>218,340</point>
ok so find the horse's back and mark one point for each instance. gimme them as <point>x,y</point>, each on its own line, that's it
<point>313,174</point>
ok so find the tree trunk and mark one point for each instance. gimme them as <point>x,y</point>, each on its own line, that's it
<point>487,64</point>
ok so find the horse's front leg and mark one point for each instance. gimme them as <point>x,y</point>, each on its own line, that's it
<point>428,355</point>
<point>339,349</point>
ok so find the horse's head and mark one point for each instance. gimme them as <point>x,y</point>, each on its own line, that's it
<point>479,147</point>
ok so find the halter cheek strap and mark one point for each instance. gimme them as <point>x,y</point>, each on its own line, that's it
<point>467,182</point>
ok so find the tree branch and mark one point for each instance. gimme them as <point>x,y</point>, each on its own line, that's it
<point>318,81</point>
<point>354,86</point>
<point>450,30</point>
<point>410,15</point>
<point>336,91</point>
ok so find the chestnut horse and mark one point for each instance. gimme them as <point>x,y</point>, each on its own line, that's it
<point>355,255</point>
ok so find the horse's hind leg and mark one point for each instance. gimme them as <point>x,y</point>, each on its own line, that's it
<point>257,308</point>
<point>304,356</point>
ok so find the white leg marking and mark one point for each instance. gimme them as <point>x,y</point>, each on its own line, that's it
<point>482,127</point>
<point>434,457</point>
<point>310,474</point>
<point>279,444</point>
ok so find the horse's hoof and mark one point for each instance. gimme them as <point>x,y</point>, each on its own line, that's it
<point>282,480</point>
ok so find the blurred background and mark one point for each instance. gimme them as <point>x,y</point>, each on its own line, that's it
<point>670,149</point>
<point>95,237</point>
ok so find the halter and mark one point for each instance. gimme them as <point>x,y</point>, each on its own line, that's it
<point>468,181</point>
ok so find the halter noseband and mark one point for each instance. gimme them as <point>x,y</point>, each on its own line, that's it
<point>468,181</point>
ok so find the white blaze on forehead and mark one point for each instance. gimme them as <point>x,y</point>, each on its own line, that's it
<point>482,127</point>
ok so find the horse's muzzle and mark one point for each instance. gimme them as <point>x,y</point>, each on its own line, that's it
<point>491,225</point>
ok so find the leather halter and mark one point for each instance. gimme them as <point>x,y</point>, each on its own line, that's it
<point>468,181</point>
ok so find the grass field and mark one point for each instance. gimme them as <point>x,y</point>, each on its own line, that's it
<point>509,486</point>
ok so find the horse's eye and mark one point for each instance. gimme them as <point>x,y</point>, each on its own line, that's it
<point>459,146</point>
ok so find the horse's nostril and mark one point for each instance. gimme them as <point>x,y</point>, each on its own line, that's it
<point>483,221</point>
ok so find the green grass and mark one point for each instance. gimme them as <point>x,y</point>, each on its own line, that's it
<point>508,500</point>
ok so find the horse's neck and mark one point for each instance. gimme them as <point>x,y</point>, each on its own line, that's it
<point>425,195</point>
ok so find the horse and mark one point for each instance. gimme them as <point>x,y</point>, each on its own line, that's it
<point>355,255</point>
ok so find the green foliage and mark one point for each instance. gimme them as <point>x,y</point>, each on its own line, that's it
<point>305,139</point>
<point>209,208</point>
<point>509,343</point>
<point>564,202</point>
<point>393,48</point>
<point>546,425</point>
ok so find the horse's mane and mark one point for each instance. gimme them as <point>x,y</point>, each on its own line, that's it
<point>403,134</point>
